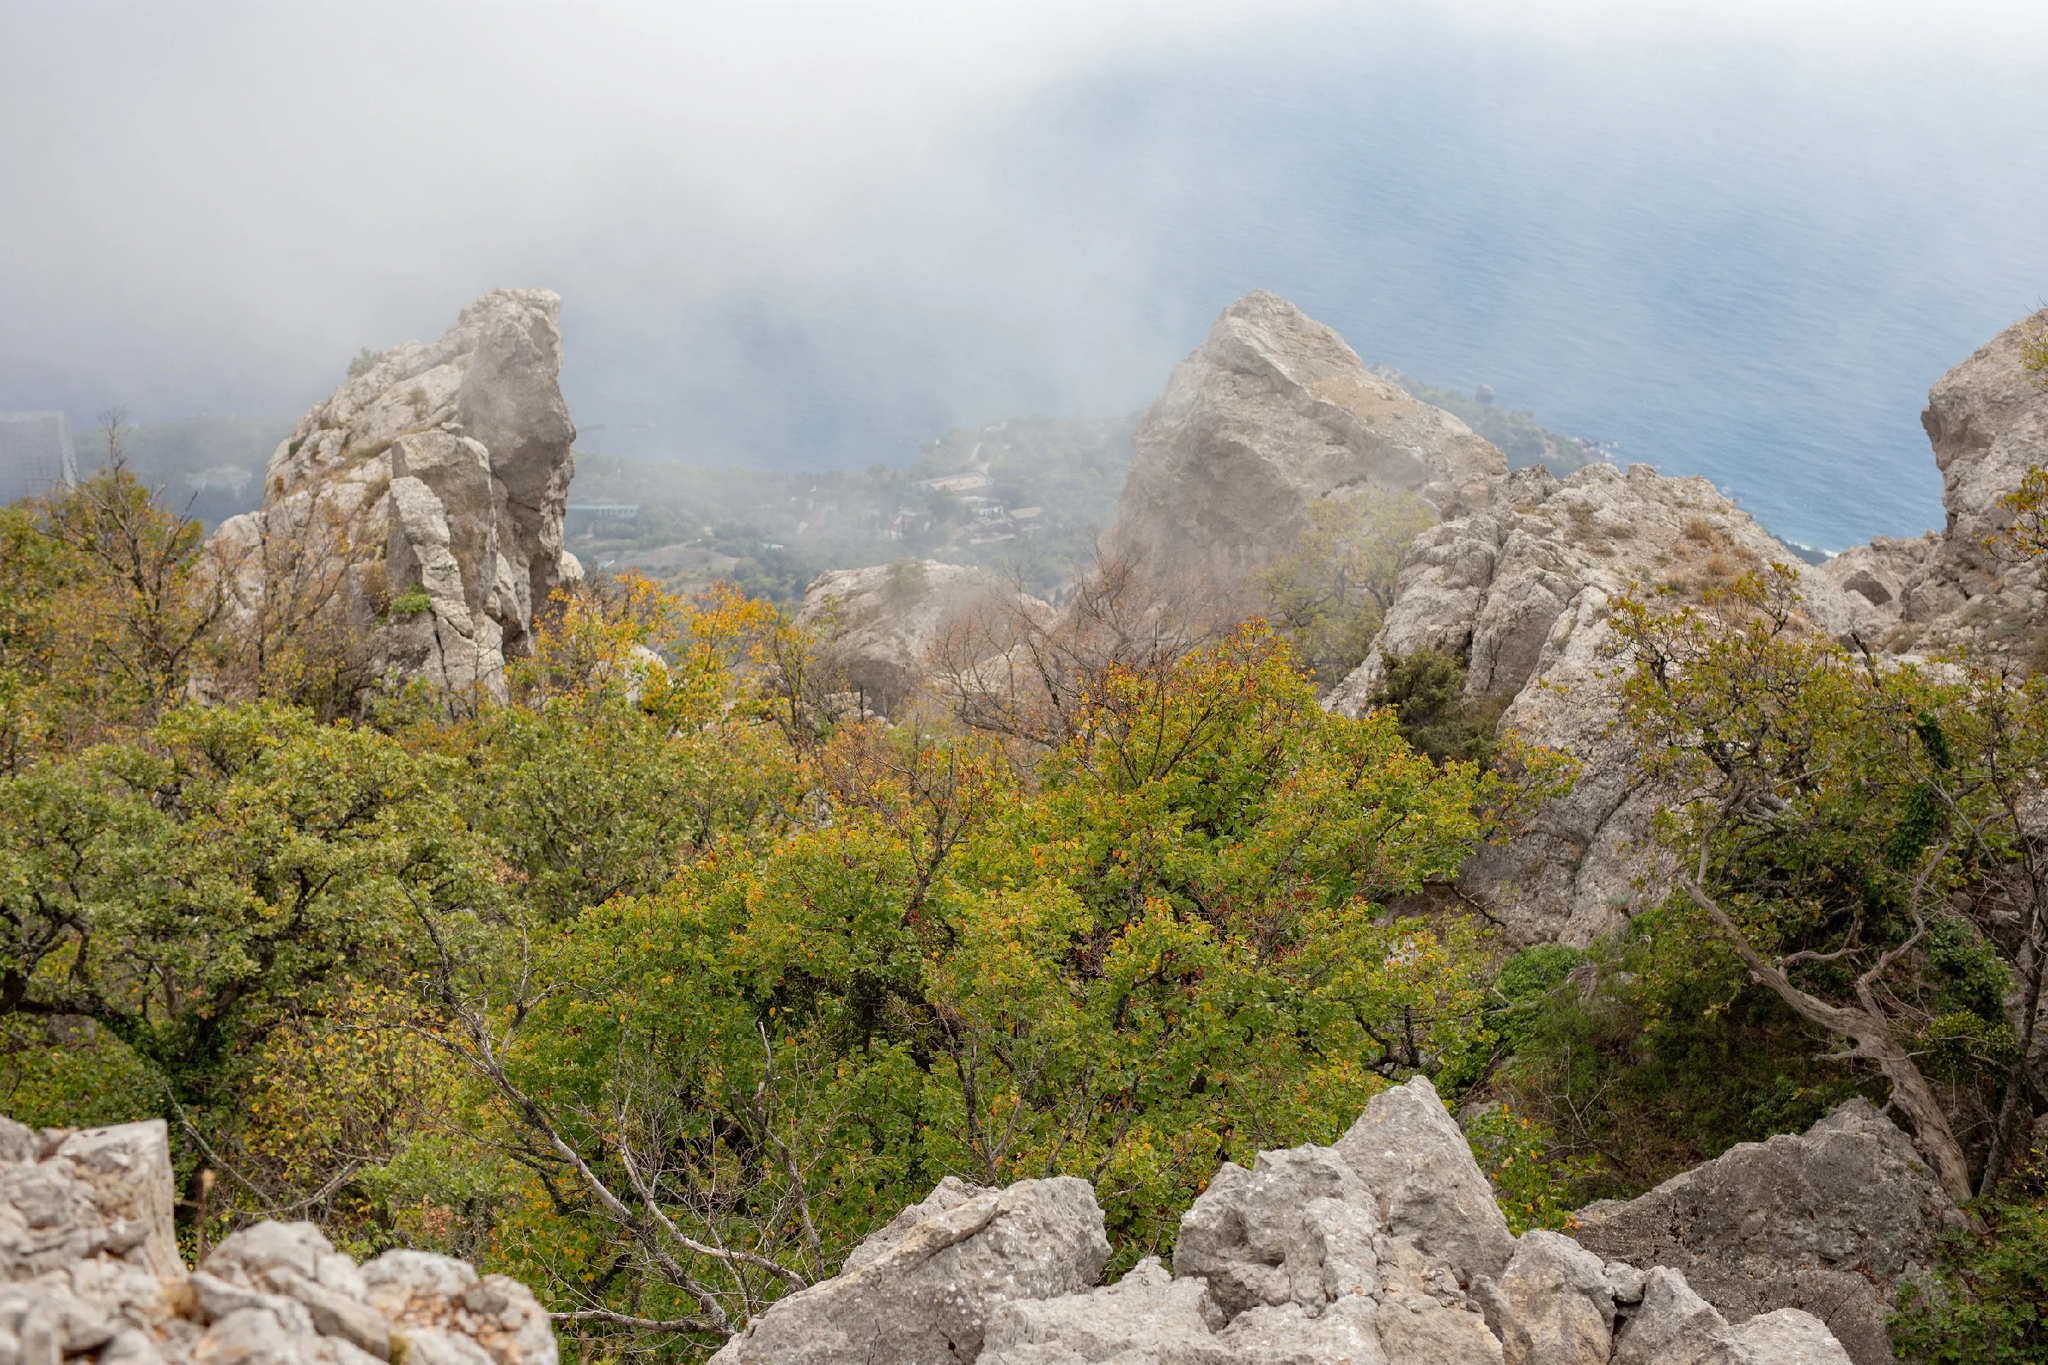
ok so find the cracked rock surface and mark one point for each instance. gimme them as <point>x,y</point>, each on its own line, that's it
<point>89,1272</point>
<point>1385,1248</point>
<point>1829,1221</point>
<point>441,469</point>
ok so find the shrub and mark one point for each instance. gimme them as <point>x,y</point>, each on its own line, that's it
<point>411,602</point>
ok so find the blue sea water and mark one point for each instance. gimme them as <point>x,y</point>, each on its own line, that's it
<point>1735,245</point>
<point>1720,256</point>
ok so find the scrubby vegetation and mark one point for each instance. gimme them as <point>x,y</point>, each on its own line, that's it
<point>661,981</point>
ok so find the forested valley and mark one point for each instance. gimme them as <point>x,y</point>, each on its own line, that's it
<point>663,980</point>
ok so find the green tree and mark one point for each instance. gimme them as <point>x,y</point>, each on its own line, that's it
<point>188,890</point>
<point>1331,589</point>
<point>1426,690</point>
<point>1165,945</point>
<point>1858,837</point>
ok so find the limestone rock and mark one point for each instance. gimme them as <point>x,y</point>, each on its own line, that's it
<point>1312,1256</point>
<point>98,1192</point>
<point>1416,1330</point>
<point>1521,590</point>
<point>1674,1326</point>
<point>1347,1333</point>
<point>881,626</point>
<point>1411,1154</point>
<point>1357,1251</point>
<point>1558,1308</point>
<point>1297,1228</point>
<point>442,468</point>
<point>435,1298</point>
<point>1147,1316</point>
<point>1786,1337</point>
<point>1987,420</point>
<point>1272,413</point>
<point>926,1295</point>
<point>89,1269</point>
<point>1828,1221</point>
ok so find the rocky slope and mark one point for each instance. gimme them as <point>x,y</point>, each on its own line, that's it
<point>1384,1249</point>
<point>1522,591</point>
<point>880,627</point>
<point>1273,412</point>
<point>440,474</point>
<point>1987,420</point>
<point>1829,1221</point>
<point>90,1272</point>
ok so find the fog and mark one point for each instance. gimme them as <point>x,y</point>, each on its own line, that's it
<point>1734,239</point>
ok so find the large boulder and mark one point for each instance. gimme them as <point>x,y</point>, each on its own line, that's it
<point>93,1193</point>
<point>922,1291</point>
<point>1409,1151</point>
<point>1271,414</point>
<point>1828,1221</point>
<point>436,479</point>
<point>1987,420</point>
<point>1352,1254</point>
<point>1675,1326</point>
<point>90,1272</point>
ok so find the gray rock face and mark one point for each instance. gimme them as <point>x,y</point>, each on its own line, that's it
<point>444,468</point>
<point>1522,589</point>
<point>1147,1316</point>
<point>1556,1307</point>
<point>1987,420</point>
<point>1519,586</point>
<point>1343,1255</point>
<point>924,1291</point>
<point>1829,1222</point>
<point>89,1271</point>
<point>1675,1326</point>
<point>882,625</point>
<point>1272,413</point>
<point>90,1194</point>
<point>1415,1159</point>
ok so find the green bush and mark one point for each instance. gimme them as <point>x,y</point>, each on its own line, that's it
<point>411,602</point>
<point>1427,691</point>
<point>1988,1302</point>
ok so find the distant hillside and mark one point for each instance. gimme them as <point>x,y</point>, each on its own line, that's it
<point>1023,495</point>
<point>1026,495</point>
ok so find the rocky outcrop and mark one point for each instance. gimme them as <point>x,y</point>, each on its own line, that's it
<point>439,477</point>
<point>880,627</point>
<point>923,1289</point>
<point>1829,1221</point>
<point>90,1272</point>
<point>1272,413</point>
<point>1521,590</point>
<point>1987,420</point>
<point>1675,1326</point>
<point>1383,1249</point>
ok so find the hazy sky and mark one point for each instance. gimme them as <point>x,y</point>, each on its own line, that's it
<point>1738,239</point>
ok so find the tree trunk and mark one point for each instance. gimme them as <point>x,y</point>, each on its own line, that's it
<point>1868,1030</point>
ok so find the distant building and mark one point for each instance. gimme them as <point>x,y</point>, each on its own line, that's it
<point>35,454</point>
<point>957,483</point>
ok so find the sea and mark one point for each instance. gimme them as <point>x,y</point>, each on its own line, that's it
<point>1714,253</point>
